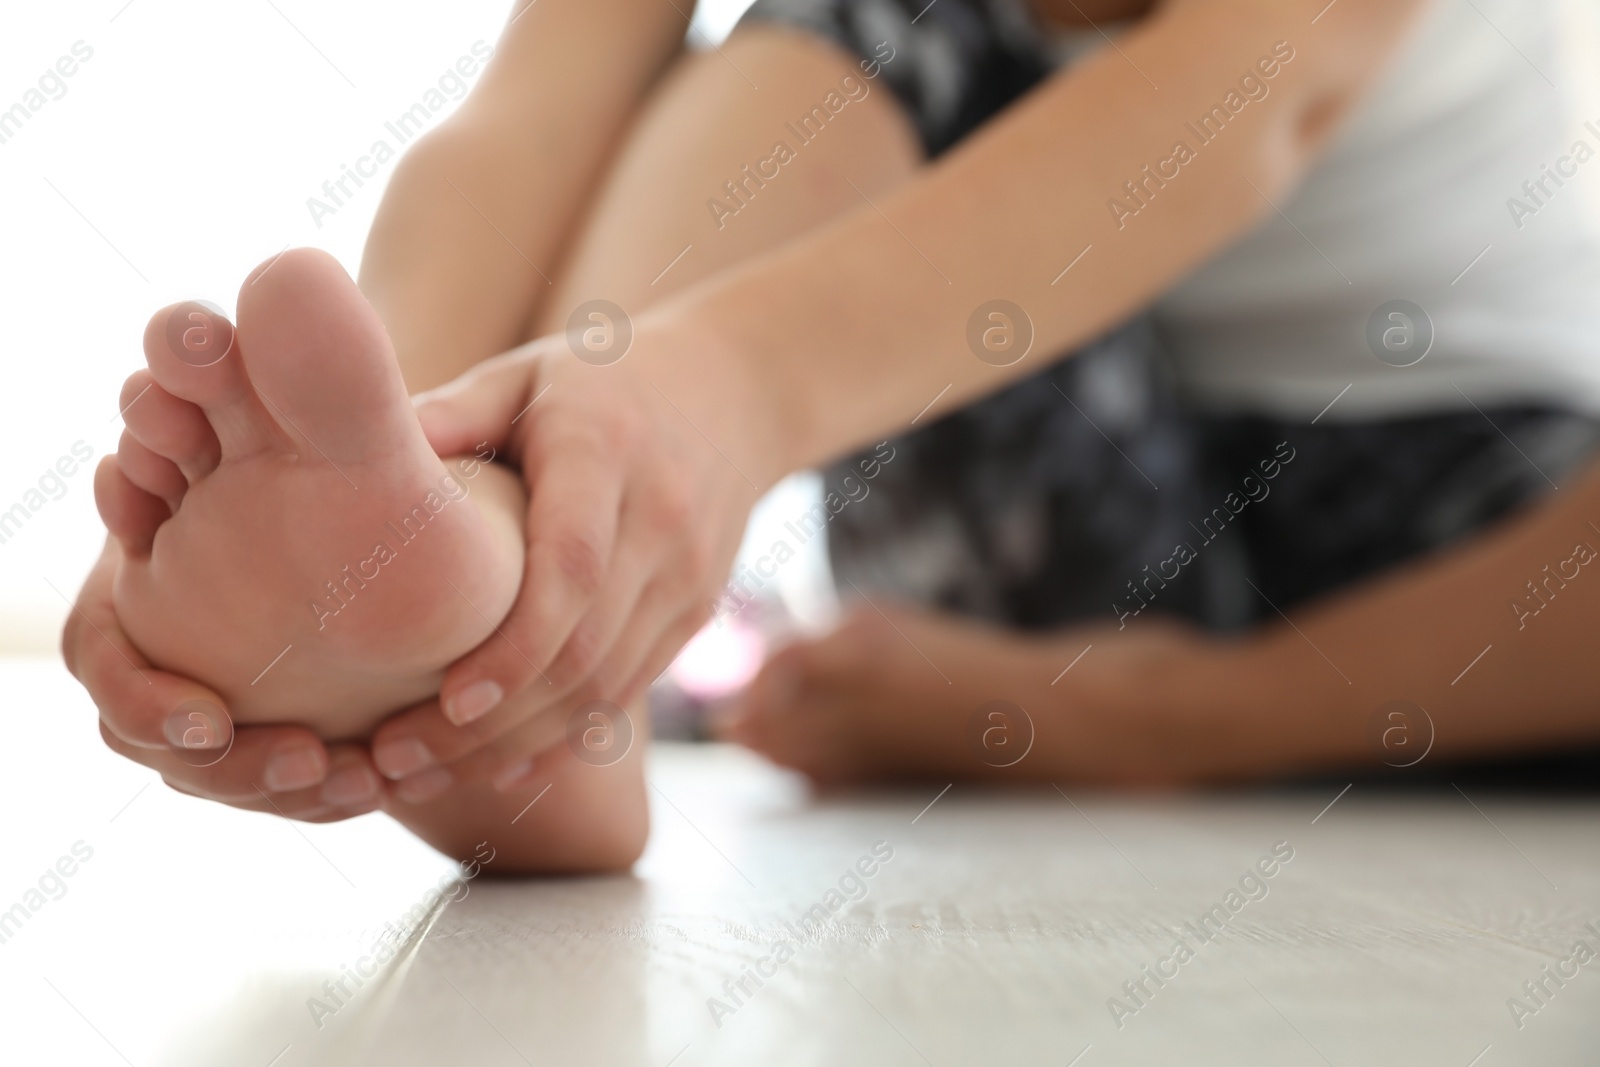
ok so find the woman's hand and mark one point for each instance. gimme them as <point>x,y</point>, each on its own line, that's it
<point>146,715</point>
<point>641,473</point>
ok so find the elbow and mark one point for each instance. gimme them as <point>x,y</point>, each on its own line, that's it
<point>1298,134</point>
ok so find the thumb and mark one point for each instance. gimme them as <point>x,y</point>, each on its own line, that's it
<point>483,405</point>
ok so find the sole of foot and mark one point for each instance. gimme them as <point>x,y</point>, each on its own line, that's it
<point>289,538</point>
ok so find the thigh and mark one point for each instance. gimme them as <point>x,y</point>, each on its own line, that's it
<point>1066,498</point>
<point>741,148</point>
<point>1352,500</point>
<point>1061,498</point>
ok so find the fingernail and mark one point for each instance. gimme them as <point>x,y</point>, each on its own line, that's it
<point>298,768</point>
<point>424,786</point>
<point>473,702</point>
<point>350,786</point>
<point>511,776</point>
<point>402,756</point>
<point>199,724</point>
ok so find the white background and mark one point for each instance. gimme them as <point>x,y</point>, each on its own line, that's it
<point>180,156</point>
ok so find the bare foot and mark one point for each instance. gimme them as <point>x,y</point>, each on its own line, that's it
<point>290,538</point>
<point>909,693</point>
<point>884,695</point>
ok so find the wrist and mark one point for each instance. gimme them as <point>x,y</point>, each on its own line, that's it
<point>732,395</point>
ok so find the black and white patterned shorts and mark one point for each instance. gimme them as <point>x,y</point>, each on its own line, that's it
<point>1090,491</point>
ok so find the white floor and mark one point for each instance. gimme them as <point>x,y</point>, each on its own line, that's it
<point>995,935</point>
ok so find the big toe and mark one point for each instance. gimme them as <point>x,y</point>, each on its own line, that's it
<point>320,359</point>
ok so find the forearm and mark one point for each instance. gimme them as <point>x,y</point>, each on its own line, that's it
<point>468,234</point>
<point>857,327</point>
<point>1301,699</point>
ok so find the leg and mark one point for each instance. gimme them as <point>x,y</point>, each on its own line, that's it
<point>289,538</point>
<point>312,530</point>
<point>706,127</point>
<point>1403,552</point>
<point>469,230</point>
<point>703,127</point>
<point>230,428</point>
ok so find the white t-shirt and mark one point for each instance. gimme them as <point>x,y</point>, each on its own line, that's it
<point>1421,198</point>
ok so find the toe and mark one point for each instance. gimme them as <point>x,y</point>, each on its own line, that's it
<point>155,474</point>
<point>770,698</point>
<point>321,360</point>
<point>194,354</point>
<point>169,427</point>
<point>131,514</point>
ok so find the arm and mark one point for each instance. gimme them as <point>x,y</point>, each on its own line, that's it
<point>525,148</point>
<point>1272,704</point>
<point>1163,703</point>
<point>881,299</point>
<point>840,337</point>
<point>466,240</point>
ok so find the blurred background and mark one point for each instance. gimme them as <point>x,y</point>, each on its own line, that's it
<point>180,153</point>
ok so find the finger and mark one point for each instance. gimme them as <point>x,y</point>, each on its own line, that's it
<point>352,784</point>
<point>155,474</point>
<point>661,609</point>
<point>616,606</point>
<point>316,812</point>
<point>260,804</point>
<point>652,616</point>
<point>148,715</point>
<point>572,526</point>
<point>421,738</point>
<point>663,652</point>
<point>526,750</point>
<point>141,705</point>
<point>672,607</point>
<point>261,762</point>
<point>773,690</point>
<point>302,805</point>
<point>483,405</point>
<point>130,513</point>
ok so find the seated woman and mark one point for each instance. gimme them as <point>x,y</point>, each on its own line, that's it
<point>1150,335</point>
